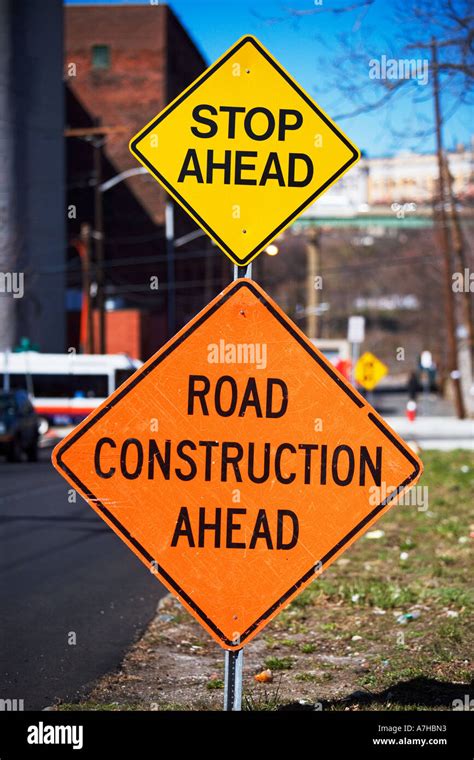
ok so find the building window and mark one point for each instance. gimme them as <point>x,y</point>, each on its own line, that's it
<point>100,57</point>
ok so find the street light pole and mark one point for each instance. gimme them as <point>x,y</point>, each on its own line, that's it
<point>99,241</point>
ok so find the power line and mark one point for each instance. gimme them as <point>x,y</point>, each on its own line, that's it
<point>132,261</point>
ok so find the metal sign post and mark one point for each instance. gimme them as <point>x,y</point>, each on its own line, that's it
<point>6,371</point>
<point>242,271</point>
<point>426,362</point>
<point>355,336</point>
<point>233,679</point>
<point>234,658</point>
<point>355,356</point>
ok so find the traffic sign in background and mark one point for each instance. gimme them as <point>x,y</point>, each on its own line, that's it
<point>237,463</point>
<point>369,371</point>
<point>244,150</point>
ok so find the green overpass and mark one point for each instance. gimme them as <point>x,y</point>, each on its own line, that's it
<point>411,220</point>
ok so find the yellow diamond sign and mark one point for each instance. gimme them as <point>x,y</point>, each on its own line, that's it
<point>369,371</point>
<point>244,150</point>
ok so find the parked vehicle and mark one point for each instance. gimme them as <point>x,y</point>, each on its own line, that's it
<point>19,426</point>
<point>338,353</point>
<point>65,388</point>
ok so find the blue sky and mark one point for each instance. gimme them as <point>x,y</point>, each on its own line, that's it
<point>307,46</point>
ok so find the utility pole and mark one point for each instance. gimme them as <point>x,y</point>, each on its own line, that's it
<point>452,354</point>
<point>313,258</point>
<point>458,246</point>
<point>87,330</point>
<point>82,246</point>
<point>99,239</point>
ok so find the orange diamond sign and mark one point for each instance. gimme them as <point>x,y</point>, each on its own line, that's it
<point>237,463</point>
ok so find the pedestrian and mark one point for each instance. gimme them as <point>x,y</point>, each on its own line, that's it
<point>412,386</point>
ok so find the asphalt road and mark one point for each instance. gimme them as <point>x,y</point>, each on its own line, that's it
<point>390,404</point>
<point>62,572</point>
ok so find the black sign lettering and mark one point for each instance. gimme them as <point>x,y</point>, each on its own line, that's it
<point>191,167</point>
<point>133,443</point>
<point>213,166</point>
<point>342,481</point>
<point>270,127</point>
<point>203,120</point>
<point>286,126</point>
<point>235,462</point>
<point>200,393</point>
<point>292,159</point>
<point>232,111</point>
<point>281,544</point>
<point>98,449</point>
<point>240,167</point>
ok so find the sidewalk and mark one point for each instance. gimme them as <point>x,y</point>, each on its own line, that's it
<point>442,433</point>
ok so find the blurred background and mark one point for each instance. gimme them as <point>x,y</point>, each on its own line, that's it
<point>95,260</point>
<point>98,269</point>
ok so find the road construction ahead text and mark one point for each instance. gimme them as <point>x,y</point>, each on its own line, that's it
<point>229,461</point>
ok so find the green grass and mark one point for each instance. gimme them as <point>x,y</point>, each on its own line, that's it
<point>434,579</point>
<point>279,663</point>
<point>306,677</point>
<point>370,592</point>
<point>215,683</point>
<point>100,706</point>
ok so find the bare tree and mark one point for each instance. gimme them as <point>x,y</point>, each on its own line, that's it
<point>434,40</point>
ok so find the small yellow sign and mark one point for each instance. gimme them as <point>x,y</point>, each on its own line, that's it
<point>369,371</point>
<point>244,150</point>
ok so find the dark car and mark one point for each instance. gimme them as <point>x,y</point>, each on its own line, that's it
<point>18,426</point>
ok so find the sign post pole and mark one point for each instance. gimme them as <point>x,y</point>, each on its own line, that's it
<point>355,336</point>
<point>234,658</point>
<point>426,362</point>
<point>233,679</point>
<point>170,267</point>
<point>355,355</point>
<point>242,271</point>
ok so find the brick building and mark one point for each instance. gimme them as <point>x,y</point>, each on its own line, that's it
<point>413,177</point>
<point>123,64</point>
